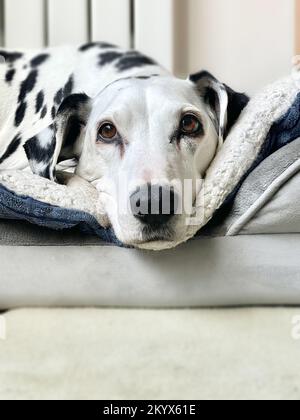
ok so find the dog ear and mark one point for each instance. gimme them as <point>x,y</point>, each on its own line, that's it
<point>224,104</point>
<point>70,125</point>
<point>62,140</point>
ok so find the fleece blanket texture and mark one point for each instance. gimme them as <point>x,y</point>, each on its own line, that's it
<point>282,132</point>
<point>20,207</point>
<point>270,121</point>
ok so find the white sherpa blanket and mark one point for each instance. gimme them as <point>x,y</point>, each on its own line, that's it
<point>231,163</point>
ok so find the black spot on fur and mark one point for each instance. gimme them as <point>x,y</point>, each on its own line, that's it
<point>106,45</point>
<point>38,154</point>
<point>28,85</point>
<point>69,87</point>
<point>134,59</point>
<point>10,75</point>
<point>46,173</point>
<point>143,77</point>
<point>109,57</point>
<point>139,77</point>
<point>44,112</point>
<point>72,131</point>
<point>236,103</point>
<point>12,148</point>
<point>39,59</point>
<point>53,112</point>
<point>10,57</point>
<point>39,101</point>
<point>20,113</point>
<point>146,77</point>
<point>58,98</point>
<point>73,102</point>
<point>90,45</point>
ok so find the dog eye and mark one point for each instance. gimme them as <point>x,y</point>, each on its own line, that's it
<point>107,132</point>
<point>190,125</point>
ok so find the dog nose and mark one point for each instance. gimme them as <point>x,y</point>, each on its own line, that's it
<point>154,205</point>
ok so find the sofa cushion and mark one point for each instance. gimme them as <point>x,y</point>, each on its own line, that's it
<point>269,199</point>
<point>243,270</point>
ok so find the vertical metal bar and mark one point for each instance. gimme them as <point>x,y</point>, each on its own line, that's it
<point>46,22</point>
<point>2,23</point>
<point>90,20</point>
<point>181,47</point>
<point>297,27</point>
<point>132,23</point>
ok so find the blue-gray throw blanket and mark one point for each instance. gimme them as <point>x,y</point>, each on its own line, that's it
<point>17,207</point>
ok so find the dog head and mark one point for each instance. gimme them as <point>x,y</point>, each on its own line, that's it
<point>146,144</point>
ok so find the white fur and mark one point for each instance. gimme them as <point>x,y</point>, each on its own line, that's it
<point>146,114</point>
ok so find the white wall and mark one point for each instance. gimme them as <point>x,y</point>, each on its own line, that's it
<point>26,23</point>
<point>111,21</point>
<point>33,23</point>
<point>154,30</point>
<point>63,28</point>
<point>247,43</point>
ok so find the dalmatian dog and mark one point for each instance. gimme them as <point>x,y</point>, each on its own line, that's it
<point>133,130</point>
